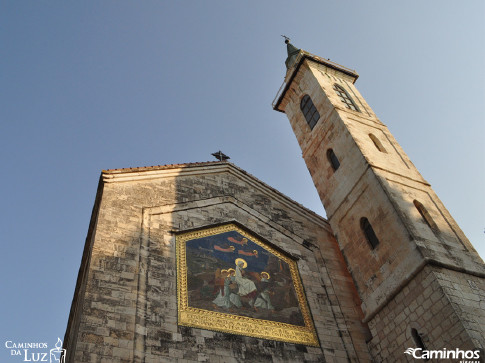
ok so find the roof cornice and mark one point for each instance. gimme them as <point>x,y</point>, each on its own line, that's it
<point>311,57</point>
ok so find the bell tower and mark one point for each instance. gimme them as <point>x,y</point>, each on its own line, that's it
<point>420,280</point>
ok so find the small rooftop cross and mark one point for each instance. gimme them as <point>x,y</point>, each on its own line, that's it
<point>219,155</point>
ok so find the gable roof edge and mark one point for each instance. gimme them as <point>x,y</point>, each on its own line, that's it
<point>176,170</point>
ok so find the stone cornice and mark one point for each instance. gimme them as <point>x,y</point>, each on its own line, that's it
<point>294,71</point>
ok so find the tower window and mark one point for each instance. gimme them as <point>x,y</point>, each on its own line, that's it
<point>369,233</point>
<point>333,159</point>
<point>426,216</point>
<point>377,143</point>
<point>345,98</point>
<point>418,340</point>
<point>309,111</point>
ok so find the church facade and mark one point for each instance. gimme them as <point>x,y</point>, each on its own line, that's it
<point>204,262</point>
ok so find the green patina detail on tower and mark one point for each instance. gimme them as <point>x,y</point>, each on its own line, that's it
<point>292,54</point>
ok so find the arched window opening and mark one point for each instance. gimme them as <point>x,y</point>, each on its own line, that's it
<point>425,214</point>
<point>333,159</point>
<point>418,340</point>
<point>345,98</point>
<point>377,143</point>
<point>369,233</point>
<point>309,111</point>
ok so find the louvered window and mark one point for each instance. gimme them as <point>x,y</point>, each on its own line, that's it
<point>333,159</point>
<point>345,98</point>
<point>309,111</point>
<point>369,233</point>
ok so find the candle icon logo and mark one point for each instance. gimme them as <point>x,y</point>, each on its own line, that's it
<point>58,354</point>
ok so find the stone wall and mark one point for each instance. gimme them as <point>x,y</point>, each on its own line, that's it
<point>445,307</point>
<point>413,233</point>
<point>125,304</point>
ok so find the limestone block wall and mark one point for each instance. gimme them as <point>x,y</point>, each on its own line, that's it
<point>125,304</point>
<point>375,180</point>
<point>445,307</point>
<point>377,271</point>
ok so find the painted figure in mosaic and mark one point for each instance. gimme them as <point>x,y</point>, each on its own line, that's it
<point>246,286</point>
<point>263,301</point>
<point>233,289</point>
<point>223,300</point>
<point>227,296</point>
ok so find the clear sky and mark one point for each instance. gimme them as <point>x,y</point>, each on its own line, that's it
<point>92,85</point>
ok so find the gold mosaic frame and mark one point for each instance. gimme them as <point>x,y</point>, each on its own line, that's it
<point>235,324</point>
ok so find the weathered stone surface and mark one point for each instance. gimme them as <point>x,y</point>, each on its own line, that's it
<point>125,306</point>
<point>423,270</point>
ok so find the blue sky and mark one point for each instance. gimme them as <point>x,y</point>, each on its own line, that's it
<point>93,85</point>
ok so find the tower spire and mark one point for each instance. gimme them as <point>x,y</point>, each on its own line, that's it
<point>292,52</point>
